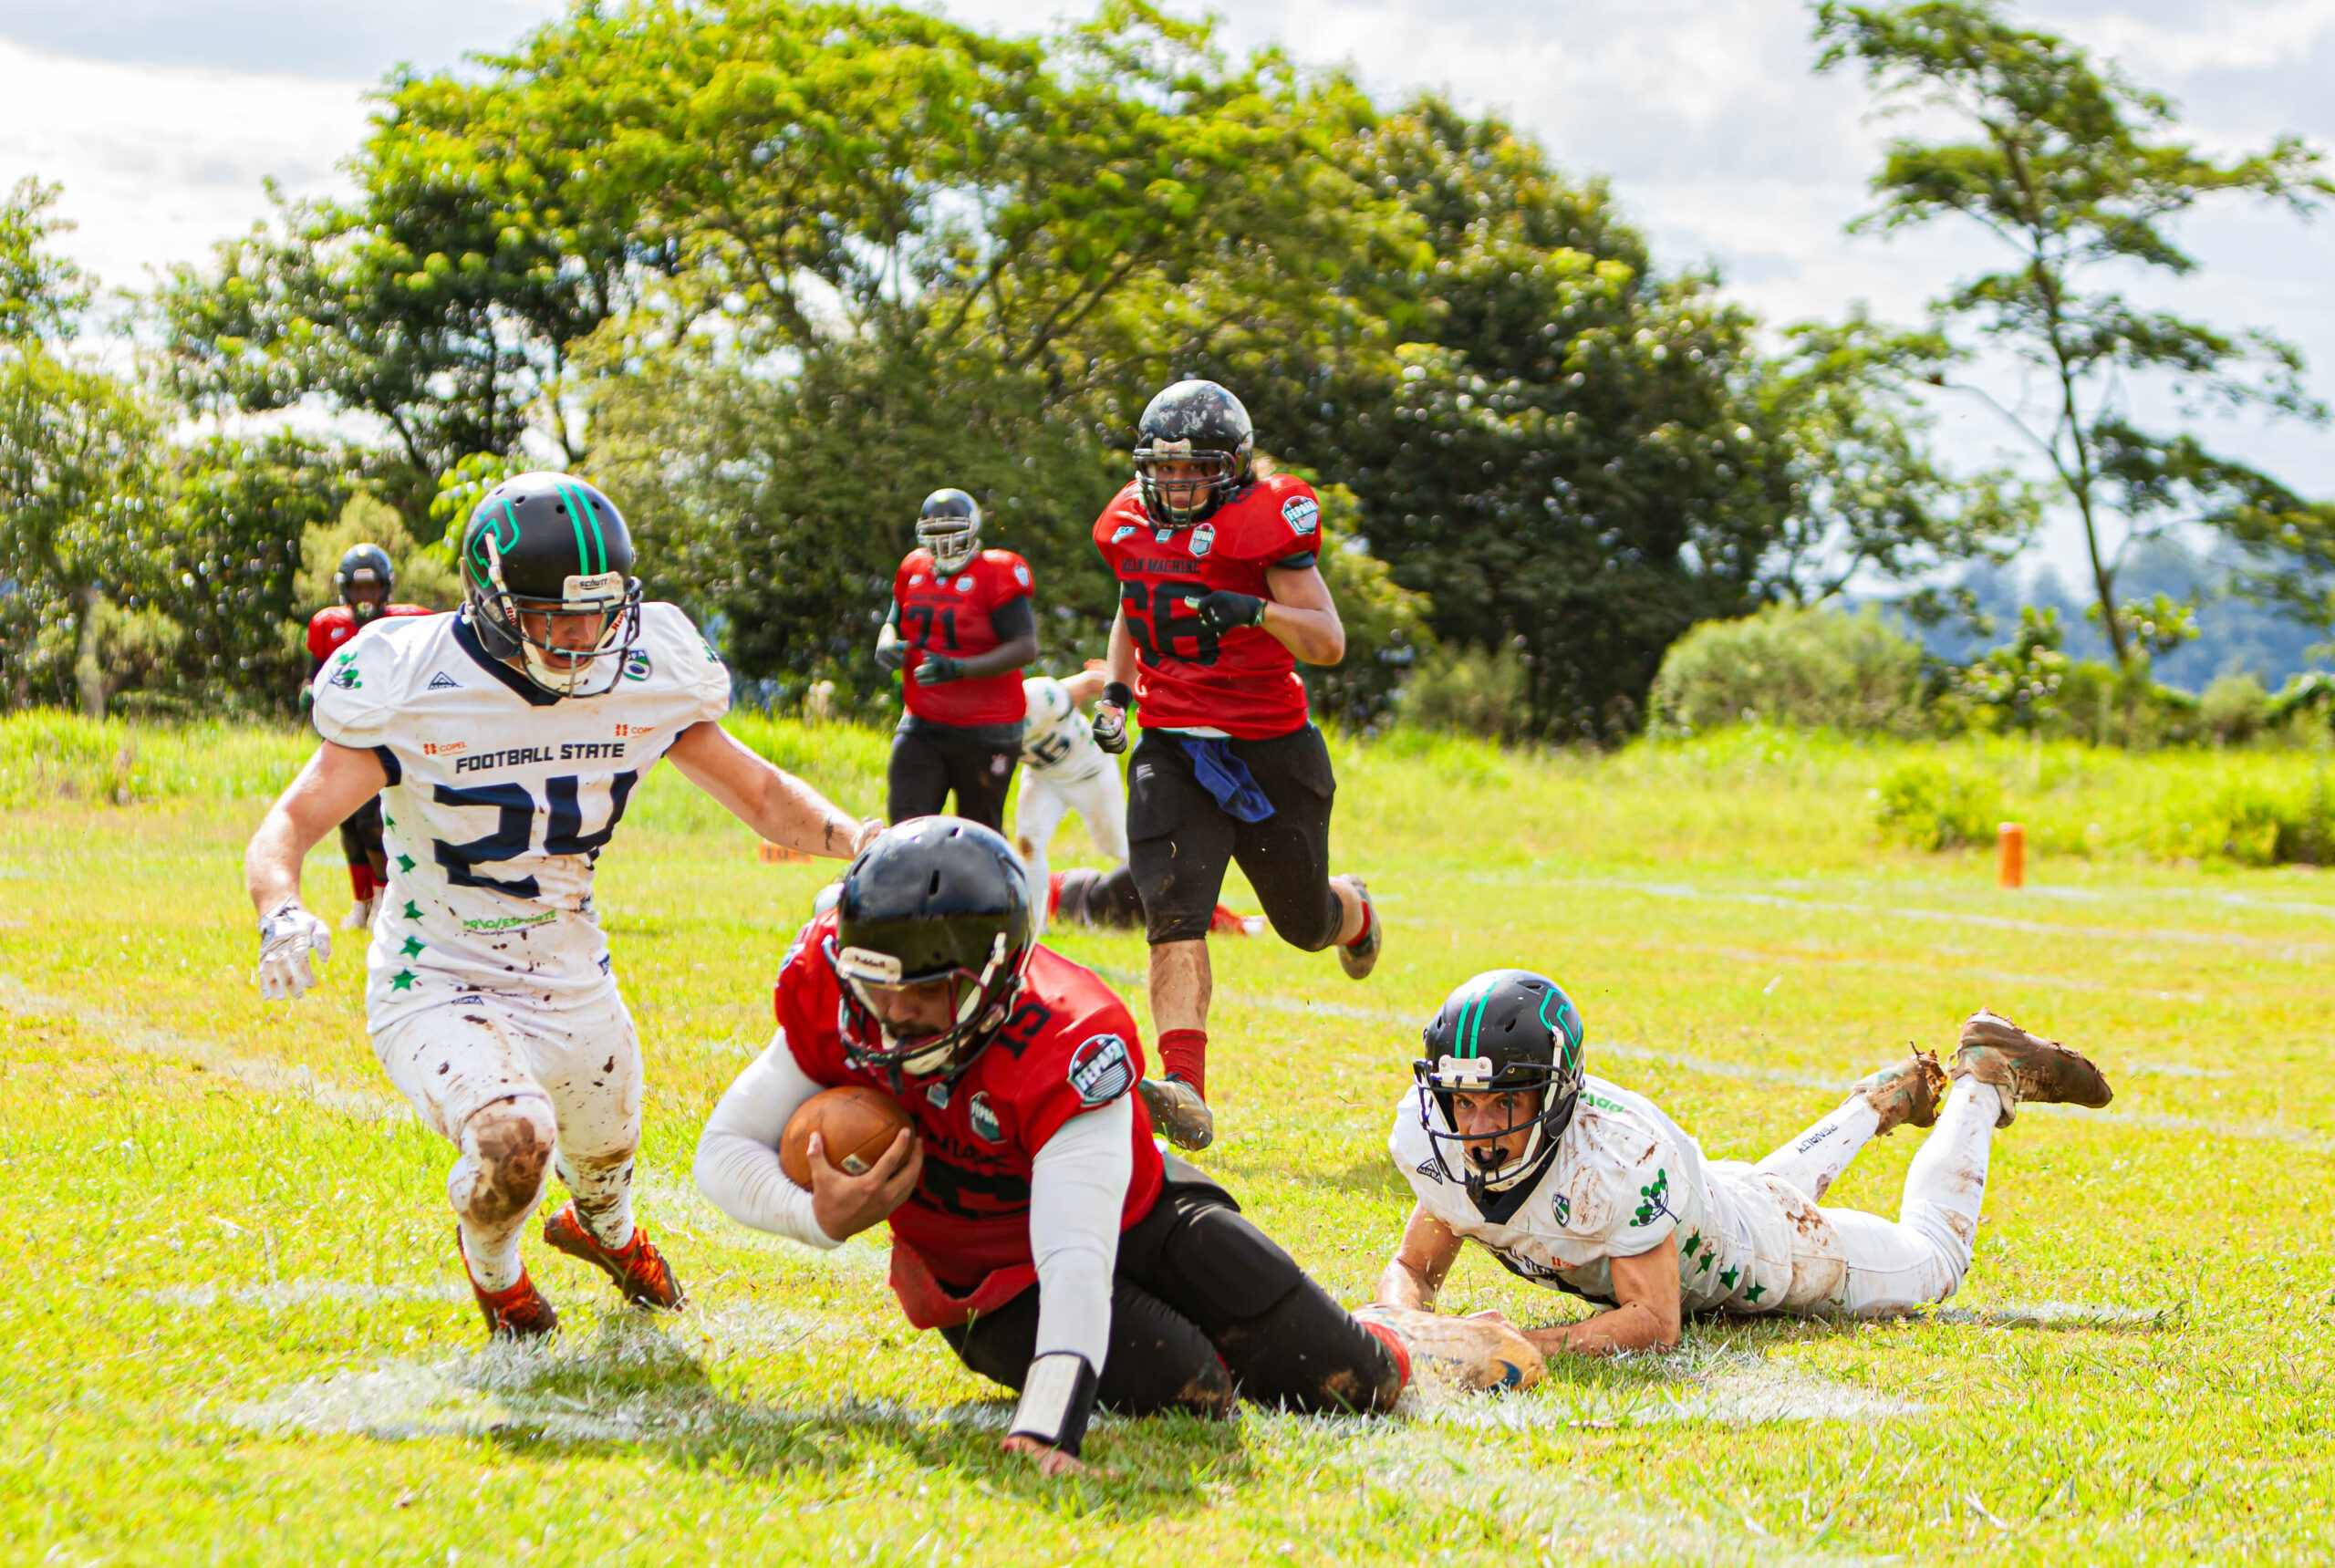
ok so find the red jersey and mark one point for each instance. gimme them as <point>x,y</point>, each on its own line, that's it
<point>336,624</point>
<point>1244,683</point>
<point>1071,1046</point>
<point>951,615</point>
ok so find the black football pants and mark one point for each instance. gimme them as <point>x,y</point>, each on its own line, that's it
<point>1205,1309</point>
<point>974,761</point>
<point>1180,840</point>
<point>360,838</point>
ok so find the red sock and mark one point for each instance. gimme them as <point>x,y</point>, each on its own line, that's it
<point>1053,894</point>
<point>1367,919</point>
<point>360,882</point>
<point>1183,1053</point>
<point>1395,1348</point>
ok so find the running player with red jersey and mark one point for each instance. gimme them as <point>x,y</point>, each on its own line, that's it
<point>1034,1222</point>
<point>1220,597</point>
<point>961,626</point>
<point>365,580</point>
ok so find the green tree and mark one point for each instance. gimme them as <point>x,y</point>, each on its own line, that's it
<point>2080,176</point>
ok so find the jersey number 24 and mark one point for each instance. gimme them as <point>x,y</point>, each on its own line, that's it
<point>515,831</point>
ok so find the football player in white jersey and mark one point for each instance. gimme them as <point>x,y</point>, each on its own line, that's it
<point>506,741</point>
<point>1063,770</point>
<point>1585,1187</point>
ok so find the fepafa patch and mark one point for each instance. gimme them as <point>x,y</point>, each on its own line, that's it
<point>1301,513</point>
<point>1100,1070</point>
<point>1203,538</point>
<point>1021,575</point>
<point>983,1116</point>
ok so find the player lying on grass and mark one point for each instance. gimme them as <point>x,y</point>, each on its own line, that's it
<point>504,741</point>
<point>1034,1222</point>
<point>1583,1186</point>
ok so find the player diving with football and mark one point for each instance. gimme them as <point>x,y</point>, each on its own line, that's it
<point>1585,1187</point>
<point>365,579</point>
<point>1035,1221</point>
<point>506,741</point>
<point>1220,596</point>
<point>961,627</point>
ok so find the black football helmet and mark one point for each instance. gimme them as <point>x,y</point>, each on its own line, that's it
<point>933,898</point>
<point>1195,421</point>
<point>365,567</point>
<point>951,527</point>
<point>550,543</point>
<point>1506,1029</point>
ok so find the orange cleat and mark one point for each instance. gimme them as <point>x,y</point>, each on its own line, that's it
<point>1230,922</point>
<point>639,1269</point>
<point>522,1312</point>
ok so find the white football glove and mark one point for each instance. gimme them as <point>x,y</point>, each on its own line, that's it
<point>286,938</point>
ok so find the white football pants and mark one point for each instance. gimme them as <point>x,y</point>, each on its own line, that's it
<point>1846,1260</point>
<point>1101,803</point>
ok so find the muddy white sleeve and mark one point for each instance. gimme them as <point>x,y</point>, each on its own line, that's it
<point>1078,1188</point>
<point>737,1155</point>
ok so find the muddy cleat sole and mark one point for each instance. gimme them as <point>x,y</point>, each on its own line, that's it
<point>639,1269</point>
<point>1484,1352</point>
<point>1905,1093</point>
<point>522,1312</point>
<point>2023,1066</point>
<point>1177,1111</point>
<point>1361,956</point>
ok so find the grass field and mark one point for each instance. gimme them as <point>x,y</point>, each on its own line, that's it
<point>237,1332</point>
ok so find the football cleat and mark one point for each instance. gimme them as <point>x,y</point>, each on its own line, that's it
<point>639,1269</point>
<point>2023,1066</point>
<point>359,916</point>
<point>1177,1111</point>
<point>1360,956</point>
<point>1905,1092</point>
<point>522,1312</point>
<point>1227,921</point>
<point>1472,1353</point>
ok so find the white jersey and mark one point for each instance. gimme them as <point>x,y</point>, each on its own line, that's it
<point>1626,1176</point>
<point>500,798</point>
<point>1057,743</point>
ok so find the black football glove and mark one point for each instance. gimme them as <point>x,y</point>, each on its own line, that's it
<point>1225,610</point>
<point>939,670</point>
<point>1111,718</point>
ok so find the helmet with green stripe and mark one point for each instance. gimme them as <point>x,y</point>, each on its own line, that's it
<point>547,582</point>
<point>1514,1035</point>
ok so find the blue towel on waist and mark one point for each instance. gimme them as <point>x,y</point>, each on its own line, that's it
<point>1228,778</point>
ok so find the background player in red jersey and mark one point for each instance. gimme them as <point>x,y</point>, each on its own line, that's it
<point>963,627</point>
<point>365,579</point>
<point>1220,597</point>
<point>1033,1220</point>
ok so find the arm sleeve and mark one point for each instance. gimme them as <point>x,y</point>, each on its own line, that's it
<point>1078,1191</point>
<point>737,1155</point>
<point>1012,618</point>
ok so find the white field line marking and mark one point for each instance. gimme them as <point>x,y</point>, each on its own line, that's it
<point>1898,966</point>
<point>285,1295</point>
<point>2242,1131</point>
<point>264,1077</point>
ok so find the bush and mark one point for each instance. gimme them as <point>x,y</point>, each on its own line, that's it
<point>1469,692</point>
<point>1813,669</point>
<point>2235,708</point>
<point>1932,805</point>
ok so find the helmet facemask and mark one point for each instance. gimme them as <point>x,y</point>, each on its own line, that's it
<point>589,668</point>
<point>953,541</point>
<point>1455,1155</point>
<point>978,1004</point>
<point>1224,474</point>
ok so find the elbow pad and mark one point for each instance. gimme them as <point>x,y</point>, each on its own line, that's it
<point>1057,1400</point>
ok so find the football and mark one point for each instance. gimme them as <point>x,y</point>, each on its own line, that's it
<point>858,1124</point>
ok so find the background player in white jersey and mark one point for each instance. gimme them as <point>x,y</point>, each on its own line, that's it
<point>1585,1187</point>
<point>506,741</point>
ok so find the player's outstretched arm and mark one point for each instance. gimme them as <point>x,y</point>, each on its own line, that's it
<point>768,799</point>
<point>1087,685</point>
<point>1422,1257</point>
<point>1647,1318</point>
<point>337,781</point>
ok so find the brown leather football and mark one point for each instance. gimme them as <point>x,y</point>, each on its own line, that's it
<point>857,1123</point>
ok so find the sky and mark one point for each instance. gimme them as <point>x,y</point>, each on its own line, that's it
<point>163,120</point>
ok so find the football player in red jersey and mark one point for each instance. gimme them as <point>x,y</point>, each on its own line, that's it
<point>961,626</point>
<point>364,579</point>
<point>1034,1222</point>
<point>1220,597</point>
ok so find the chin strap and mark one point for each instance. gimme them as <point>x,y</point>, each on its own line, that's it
<point>1057,1399</point>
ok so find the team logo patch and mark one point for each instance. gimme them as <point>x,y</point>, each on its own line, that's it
<point>711,656</point>
<point>1656,1203</point>
<point>1125,530</point>
<point>344,674</point>
<point>1100,1071</point>
<point>442,681</point>
<point>936,1096</point>
<point>637,666</point>
<point>915,577</point>
<point>1301,513</point>
<point>1161,536</point>
<point>965,585</point>
<point>1021,575</point>
<point>1203,538</point>
<point>983,1116</point>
